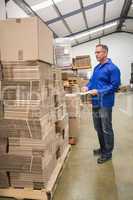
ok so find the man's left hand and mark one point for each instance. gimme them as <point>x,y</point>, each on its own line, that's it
<point>93,92</point>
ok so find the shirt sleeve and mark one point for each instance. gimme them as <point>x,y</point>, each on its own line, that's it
<point>89,84</point>
<point>115,82</point>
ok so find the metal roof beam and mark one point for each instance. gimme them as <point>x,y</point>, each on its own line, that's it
<point>128,17</point>
<point>59,13</point>
<point>94,5</point>
<point>63,20</point>
<point>6,1</point>
<point>83,12</point>
<point>24,6</point>
<point>104,13</point>
<point>124,13</point>
<point>127,32</point>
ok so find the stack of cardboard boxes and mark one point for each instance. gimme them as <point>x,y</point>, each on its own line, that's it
<point>72,89</point>
<point>33,118</point>
<point>71,82</point>
<point>63,54</point>
<point>73,109</point>
<point>82,62</point>
<point>61,115</point>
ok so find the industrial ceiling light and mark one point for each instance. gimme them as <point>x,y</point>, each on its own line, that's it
<point>45,4</point>
<point>94,30</point>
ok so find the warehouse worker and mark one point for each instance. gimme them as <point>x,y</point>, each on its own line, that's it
<point>102,86</point>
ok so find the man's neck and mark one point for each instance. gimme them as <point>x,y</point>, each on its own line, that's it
<point>104,61</point>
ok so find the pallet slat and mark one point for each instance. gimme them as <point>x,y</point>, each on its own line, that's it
<point>52,184</point>
<point>24,193</point>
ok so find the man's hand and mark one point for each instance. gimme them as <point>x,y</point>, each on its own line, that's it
<point>93,92</point>
<point>84,89</point>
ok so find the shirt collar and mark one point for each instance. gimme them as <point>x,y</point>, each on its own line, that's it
<point>107,62</point>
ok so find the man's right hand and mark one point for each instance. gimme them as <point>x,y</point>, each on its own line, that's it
<point>84,89</point>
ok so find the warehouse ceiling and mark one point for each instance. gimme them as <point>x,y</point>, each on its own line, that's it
<point>83,20</point>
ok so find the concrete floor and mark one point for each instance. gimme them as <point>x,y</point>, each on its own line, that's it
<point>83,178</point>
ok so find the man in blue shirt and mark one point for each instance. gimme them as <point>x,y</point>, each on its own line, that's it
<point>102,86</point>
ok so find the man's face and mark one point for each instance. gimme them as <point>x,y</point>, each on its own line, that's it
<point>101,54</point>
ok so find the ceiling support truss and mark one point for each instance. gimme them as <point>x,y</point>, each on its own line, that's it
<point>124,13</point>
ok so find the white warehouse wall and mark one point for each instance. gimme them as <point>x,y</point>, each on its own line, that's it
<point>2,10</point>
<point>14,11</point>
<point>120,51</point>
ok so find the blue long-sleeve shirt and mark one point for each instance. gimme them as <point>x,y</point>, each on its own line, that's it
<point>106,80</point>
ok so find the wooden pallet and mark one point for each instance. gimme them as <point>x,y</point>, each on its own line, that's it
<point>26,193</point>
<point>53,182</point>
<point>44,194</point>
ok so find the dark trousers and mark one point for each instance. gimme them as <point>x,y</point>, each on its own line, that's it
<point>102,118</point>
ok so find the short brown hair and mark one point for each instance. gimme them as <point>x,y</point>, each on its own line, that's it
<point>105,47</point>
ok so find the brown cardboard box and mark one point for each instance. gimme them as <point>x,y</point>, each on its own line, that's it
<point>61,124</point>
<point>4,180</point>
<point>3,145</point>
<point>82,62</point>
<point>25,39</point>
<point>73,105</point>
<point>1,110</point>
<point>74,127</point>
